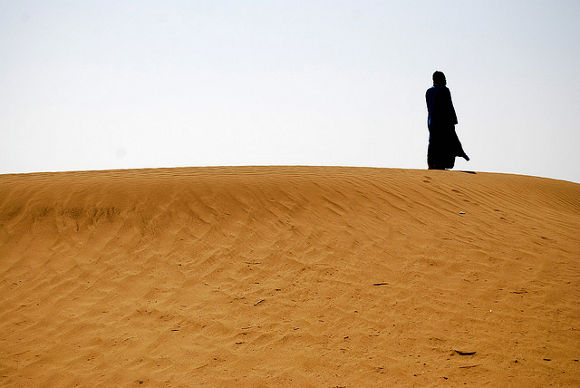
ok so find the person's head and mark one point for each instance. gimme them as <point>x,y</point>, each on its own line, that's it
<point>439,79</point>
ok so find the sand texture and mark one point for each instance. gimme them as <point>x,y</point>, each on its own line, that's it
<point>288,276</point>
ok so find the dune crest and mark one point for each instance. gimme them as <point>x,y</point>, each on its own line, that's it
<point>322,276</point>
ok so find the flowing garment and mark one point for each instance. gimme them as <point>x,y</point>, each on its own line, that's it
<point>444,145</point>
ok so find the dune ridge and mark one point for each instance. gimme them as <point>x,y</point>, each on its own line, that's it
<point>322,276</point>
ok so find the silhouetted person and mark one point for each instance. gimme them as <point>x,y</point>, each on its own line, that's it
<point>444,145</point>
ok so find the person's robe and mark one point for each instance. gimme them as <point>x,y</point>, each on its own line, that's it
<point>444,145</point>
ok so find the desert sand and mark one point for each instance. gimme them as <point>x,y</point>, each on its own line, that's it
<point>288,276</point>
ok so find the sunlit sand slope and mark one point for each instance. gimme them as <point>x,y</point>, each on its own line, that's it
<point>319,276</point>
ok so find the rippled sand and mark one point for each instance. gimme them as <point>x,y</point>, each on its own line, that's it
<point>322,276</point>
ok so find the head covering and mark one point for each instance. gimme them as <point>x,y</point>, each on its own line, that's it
<point>439,79</point>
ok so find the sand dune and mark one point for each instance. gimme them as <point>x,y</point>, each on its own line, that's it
<point>306,276</point>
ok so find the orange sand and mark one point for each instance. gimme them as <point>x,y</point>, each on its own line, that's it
<point>265,276</point>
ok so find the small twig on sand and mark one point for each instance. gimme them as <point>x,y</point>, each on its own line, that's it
<point>258,302</point>
<point>464,353</point>
<point>469,366</point>
<point>380,284</point>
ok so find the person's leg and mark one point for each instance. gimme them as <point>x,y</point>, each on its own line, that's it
<point>432,150</point>
<point>431,159</point>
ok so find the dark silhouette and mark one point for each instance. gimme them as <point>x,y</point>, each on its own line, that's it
<point>444,145</point>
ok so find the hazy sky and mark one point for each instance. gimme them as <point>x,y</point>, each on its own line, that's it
<point>128,84</point>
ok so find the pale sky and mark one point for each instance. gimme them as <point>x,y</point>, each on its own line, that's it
<point>87,85</point>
